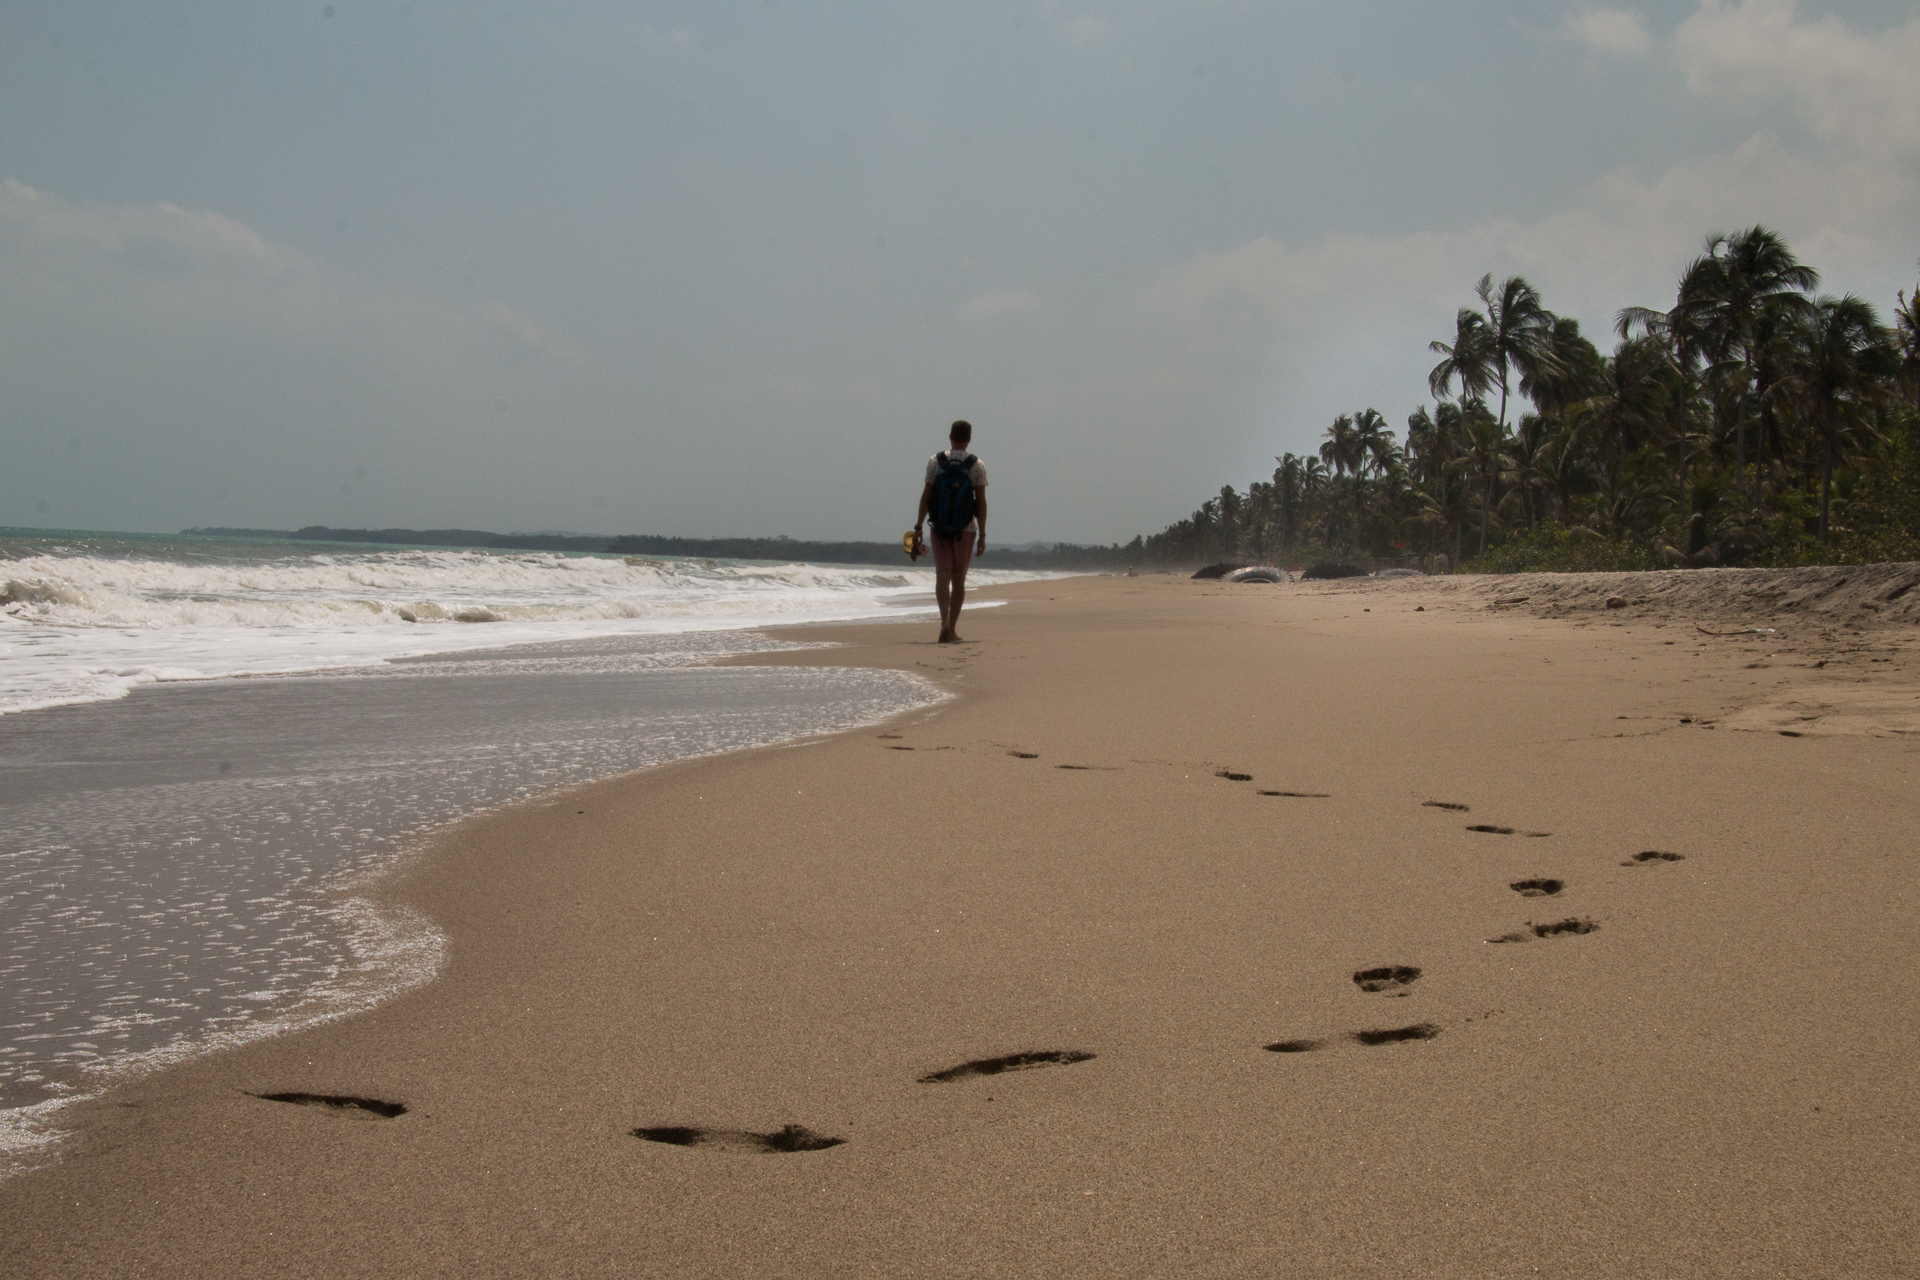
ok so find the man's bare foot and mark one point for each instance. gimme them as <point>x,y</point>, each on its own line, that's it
<point>952,637</point>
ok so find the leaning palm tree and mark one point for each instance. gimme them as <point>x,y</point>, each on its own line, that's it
<point>1469,358</point>
<point>1846,364</point>
<point>1573,374</point>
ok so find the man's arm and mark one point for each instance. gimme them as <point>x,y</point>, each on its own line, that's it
<point>979,518</point>
<point>926,504</point>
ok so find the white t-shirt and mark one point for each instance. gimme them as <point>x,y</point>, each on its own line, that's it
<point>979,471</point>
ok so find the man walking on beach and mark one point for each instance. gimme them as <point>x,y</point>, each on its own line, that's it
<point>955,495</point>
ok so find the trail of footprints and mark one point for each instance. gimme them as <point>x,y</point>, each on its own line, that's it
<point>1390,980</point>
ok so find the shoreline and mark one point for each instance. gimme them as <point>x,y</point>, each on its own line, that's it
<point>90,835</point>
<point>1052,864</point>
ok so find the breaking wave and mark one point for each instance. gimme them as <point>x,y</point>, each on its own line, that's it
<point>82,627</point>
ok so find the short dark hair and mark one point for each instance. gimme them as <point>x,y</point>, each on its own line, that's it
<point>961,432</point>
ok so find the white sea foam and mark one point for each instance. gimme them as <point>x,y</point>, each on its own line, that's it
<point>83,628</point>
<point>393,949</point>
<point>186,873</point>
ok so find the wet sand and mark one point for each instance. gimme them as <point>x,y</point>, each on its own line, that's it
<point>1164,826</point>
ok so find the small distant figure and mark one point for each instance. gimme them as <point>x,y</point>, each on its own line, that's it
<point>955,496</point>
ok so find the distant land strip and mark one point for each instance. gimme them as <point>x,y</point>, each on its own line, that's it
<point>1062,556</point>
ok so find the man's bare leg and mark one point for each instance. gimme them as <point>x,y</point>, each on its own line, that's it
<point>943,593</point>
<point>952,613</point>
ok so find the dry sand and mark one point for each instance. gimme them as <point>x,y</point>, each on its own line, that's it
<point>1718,1080</point>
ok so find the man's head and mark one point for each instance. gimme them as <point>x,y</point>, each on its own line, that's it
<point>961,434</point>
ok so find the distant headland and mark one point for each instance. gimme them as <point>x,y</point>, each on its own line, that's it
<point>1060,555</point>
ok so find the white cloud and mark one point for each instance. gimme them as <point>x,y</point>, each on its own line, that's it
<point>1610,31</point>
<point>1357,310</point>
<point>994,306</point>
<point>1271,332</point>
<point>183,275</point>
<point>1858,89</point>
<point>210,375</point>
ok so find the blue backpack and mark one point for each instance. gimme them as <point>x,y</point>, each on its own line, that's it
<point>953,501</point>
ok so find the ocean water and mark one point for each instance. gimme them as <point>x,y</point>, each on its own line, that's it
<point>89,616</point>
<point>209,747</point>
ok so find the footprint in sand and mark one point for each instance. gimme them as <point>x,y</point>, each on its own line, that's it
<point>1090,768</point>
<point>782,1142</point>
<point>1571,925</point>
<point>1011,1062</point>
<point>1383,1035</point>
<point>1444,804</point>
<point>1298,795</point>
<point>1396,1035</point>
<point>1296,1046</point>
<point>340,1102</point>
<point>1394,978</point>
<point>1492,830</point>
<point>1024,755</point>
<point>1231,776</point>
<point>1538,888</point>
<point>1651,857</point>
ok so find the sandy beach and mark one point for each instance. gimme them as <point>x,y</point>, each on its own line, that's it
<point>1460,927</point>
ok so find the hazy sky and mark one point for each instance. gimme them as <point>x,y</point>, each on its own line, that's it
<point>732,267</point>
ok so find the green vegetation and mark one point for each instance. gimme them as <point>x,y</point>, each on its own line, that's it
<point>1750,423</point>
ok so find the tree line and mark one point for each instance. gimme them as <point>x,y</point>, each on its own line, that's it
<point>1754,421</point>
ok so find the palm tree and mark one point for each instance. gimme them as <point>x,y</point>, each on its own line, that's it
<point>1846,364</point>
<point>1469,358</point>
<point>1519,333</point>
<point>1906,320</point>
<point>1482,438</point>
<point>1722,295</point>
<point>1674,333</point>
<point>1772,350</point>
<point>1313,484</point>
<point>1634,405</point>
<point>1564,468</point>
<point>1375,440</point>
<point>1232,519</point>
<point>1342,449</point>
<point>1525,456</point>
<point>1469,361</point>
<point>1286,483</point>
<point>1573,374</point>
